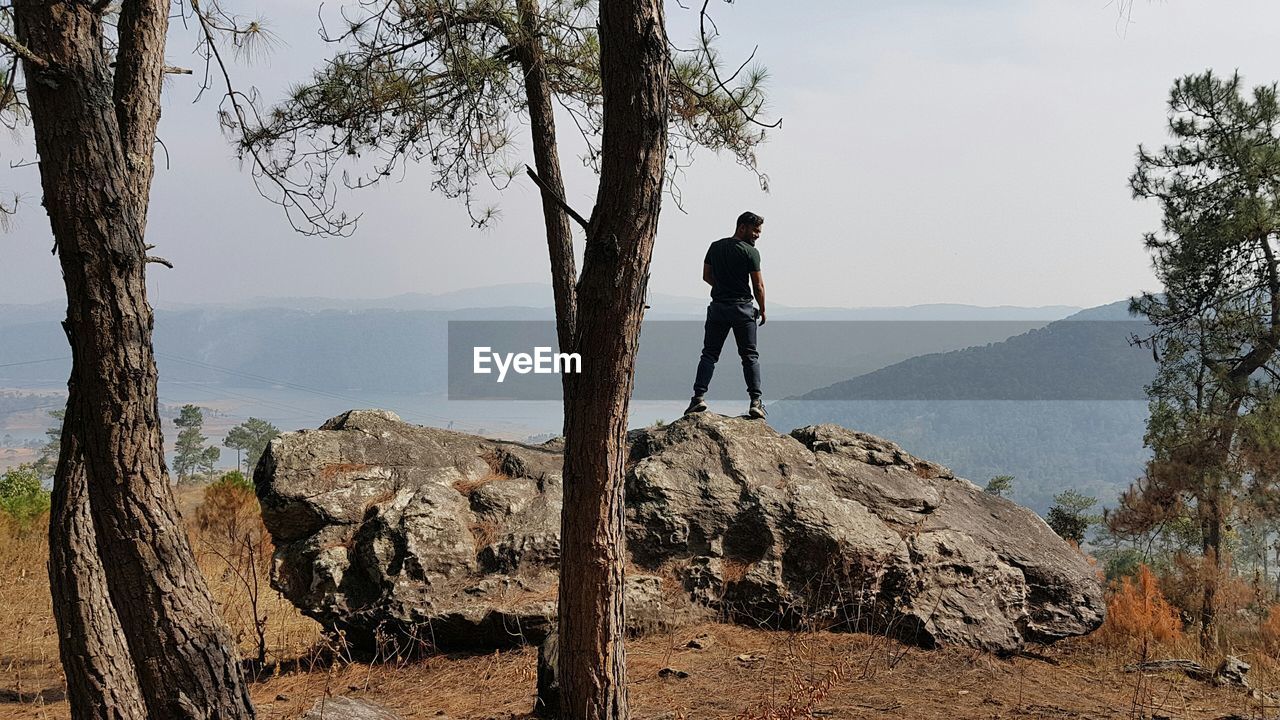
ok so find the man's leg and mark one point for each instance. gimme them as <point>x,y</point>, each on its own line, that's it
<point>744,335</point>
<point>713,337</point>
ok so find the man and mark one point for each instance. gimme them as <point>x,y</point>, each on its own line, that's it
<point>732,269</point>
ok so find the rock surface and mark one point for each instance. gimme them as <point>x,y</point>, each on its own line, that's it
<point>427,538</point>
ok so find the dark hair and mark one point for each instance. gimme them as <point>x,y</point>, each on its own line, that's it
<point>750,218</point>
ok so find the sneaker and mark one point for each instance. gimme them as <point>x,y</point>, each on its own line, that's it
<point>756,411</point>
<point>696,405</point>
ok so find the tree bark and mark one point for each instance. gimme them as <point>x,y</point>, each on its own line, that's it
<point>101,682</point>
<point>1212,569</point>
<point>94,135</point>
<point>139,77</point>
<point>1266,561</point>
<point>1275,590</point>
<point>1214,502</point>
<point>546,158</point>
<point>634,76</point>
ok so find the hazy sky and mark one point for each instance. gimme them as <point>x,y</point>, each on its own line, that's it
<point>931,151</point>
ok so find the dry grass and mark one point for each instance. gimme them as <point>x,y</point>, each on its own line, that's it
<point>30,671</point>
<point>1269,631</point>
<point>733,570</point>
<point>741,674</point>
<point>466,487</point>
<point>29,666</point>
<point>485,533</point>
<point>924,470</point>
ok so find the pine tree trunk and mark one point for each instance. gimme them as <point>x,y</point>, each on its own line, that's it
<point>1275,590</point>
<point>1212,551</point>
<point>546,158</point>
<point>94,135</point>
<point>1266,561</point>
<point>101,682</point>
<point>634,77</point>
<point>1214,501</point>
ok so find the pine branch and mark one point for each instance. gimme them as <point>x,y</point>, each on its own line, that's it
<point>316,211</point>
<point>23,51</point>
<point>749,115</point>
<point>558,200</point>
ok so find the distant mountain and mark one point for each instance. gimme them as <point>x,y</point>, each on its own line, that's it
<point>1058,407</point>
<point>53,311</point>
<point>1112,311</point>
<point>1087,356</point>
<point>930,312</point>
<point>661,306</point>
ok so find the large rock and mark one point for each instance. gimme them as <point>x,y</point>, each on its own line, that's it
<point>415,537</point>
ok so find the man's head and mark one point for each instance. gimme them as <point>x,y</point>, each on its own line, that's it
<point>750,225</point>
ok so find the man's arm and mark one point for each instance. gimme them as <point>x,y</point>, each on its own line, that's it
<point>707,277</point>
<point>757,288</point>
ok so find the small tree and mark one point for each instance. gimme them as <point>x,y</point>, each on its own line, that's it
<point>209,460</point>
<point>1000,486</point>
<point>48,460</point>
<point>234,478</point>
<point>190,451</point>
<point>251,438</point>
<point>1138,615</point>
<point>1069,515</point>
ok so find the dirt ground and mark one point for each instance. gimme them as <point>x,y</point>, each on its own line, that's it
<point>738,673</point>
<point>748,674</point>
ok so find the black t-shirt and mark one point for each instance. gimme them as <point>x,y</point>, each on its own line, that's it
<point>732,261</point>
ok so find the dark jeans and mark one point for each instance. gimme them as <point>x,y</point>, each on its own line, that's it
<point>721,318</point>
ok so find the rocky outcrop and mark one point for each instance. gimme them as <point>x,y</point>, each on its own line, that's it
<point>421,537</point>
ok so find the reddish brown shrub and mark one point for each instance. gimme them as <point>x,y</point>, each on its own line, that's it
<point>1270,629</point>
<point>1138,615</point>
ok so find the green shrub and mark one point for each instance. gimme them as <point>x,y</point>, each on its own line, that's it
<point>1120,562</point>
<point>22,497</point>
<point>235,479</point>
